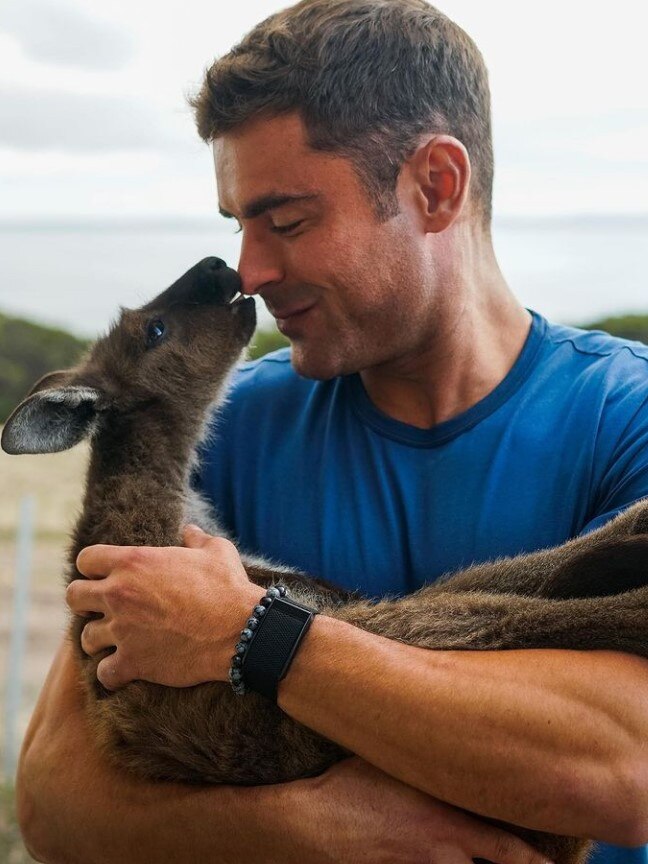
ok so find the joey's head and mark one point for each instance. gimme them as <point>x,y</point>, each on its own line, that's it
<point>178,349</point>
<point>171,357</point>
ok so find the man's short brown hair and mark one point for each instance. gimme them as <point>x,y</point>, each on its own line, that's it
<point>368,78</point>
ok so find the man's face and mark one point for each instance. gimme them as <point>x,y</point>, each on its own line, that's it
<point>346,289</point>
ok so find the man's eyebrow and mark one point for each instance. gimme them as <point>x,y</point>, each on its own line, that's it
<point>261,205</point>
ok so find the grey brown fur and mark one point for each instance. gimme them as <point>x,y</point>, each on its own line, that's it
<point>146,408</point>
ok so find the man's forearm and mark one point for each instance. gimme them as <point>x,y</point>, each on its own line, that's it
<point>551,740</point>
<point>74,806</point>
<point>84,825</point>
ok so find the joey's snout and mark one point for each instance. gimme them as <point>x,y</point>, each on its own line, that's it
<point>215,282</point>
<point>210,281</point>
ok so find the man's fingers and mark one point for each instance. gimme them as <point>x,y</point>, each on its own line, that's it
<point>83,598</point>
<point>194,537</point>
<point>98,561</point>
<point>95,637</point>
<point>113,673</point>
<point>500,847</point>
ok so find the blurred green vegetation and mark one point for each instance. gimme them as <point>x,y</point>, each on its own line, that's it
<point>627,326</point>
<point>29,350</point>
<point>265,341</point>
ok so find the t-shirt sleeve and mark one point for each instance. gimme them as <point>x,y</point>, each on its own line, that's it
<point>622,473</point>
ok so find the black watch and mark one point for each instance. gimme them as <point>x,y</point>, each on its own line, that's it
<point>274,645</point>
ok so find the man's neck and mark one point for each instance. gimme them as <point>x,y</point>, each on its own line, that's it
<point>473,345</point>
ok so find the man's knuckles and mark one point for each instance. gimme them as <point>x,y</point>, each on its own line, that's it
<point>221,546</point>
<point>139,559</point>
<point>121,594</point>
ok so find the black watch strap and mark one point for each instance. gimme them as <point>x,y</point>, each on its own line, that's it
<point>274,645</point>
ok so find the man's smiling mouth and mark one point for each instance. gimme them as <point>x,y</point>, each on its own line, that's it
<point>290,311</point>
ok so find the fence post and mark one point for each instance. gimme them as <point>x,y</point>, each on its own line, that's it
<point>18,636</point>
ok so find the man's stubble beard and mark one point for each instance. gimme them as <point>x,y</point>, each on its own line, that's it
<point>333,357</point>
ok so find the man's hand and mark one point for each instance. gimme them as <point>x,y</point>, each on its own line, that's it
<point>173,614</point>
<point>358,813</point>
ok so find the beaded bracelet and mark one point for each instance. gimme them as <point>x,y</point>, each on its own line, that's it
<point>247,635</point>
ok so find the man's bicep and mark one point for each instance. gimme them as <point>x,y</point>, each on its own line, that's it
<point>602,519</point>
<point>624,480</point>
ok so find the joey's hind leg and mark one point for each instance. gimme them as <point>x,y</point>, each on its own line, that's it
<point>481,621</point>
<point>613,623</point>
<point>609,568</point>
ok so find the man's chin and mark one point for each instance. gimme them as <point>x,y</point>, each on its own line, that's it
<point>319,365</point>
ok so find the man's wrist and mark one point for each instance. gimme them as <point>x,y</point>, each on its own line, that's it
<point>243,605</point>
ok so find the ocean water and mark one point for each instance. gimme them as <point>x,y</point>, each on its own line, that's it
<point>76,275</point>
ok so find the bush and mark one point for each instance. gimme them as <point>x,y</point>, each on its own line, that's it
<point>265,341</point>
<point>627,326</point>
<point>27,352</point>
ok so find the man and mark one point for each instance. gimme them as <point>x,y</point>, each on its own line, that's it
<point>430,421</point>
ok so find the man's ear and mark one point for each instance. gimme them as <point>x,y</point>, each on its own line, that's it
<point>55,416</point>
<point>440,172</point>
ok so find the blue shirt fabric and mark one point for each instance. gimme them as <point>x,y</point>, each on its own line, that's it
<point>312,474</point>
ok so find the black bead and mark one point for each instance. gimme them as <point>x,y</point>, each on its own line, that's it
<point>237,661</point>
<point>266,601</point>
<point>282,590</point>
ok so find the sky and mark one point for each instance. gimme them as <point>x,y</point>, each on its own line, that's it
<point>94,122</point>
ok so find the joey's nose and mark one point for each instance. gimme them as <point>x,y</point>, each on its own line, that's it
<point>214,281</point>
<point>208,281</point>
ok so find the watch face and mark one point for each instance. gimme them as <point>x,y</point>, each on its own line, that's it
<point>293,608</point>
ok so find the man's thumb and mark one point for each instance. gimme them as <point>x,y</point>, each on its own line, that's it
<point>194,537</point>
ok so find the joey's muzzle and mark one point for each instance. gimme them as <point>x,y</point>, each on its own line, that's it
<point>210,281</point>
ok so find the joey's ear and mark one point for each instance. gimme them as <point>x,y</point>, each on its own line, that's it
<point>55,416</point>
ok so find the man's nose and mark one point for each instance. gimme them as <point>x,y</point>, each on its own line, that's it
<point>260,264</point>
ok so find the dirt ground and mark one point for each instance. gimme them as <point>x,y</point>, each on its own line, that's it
<point>56,483</point>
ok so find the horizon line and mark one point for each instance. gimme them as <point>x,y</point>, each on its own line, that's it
<point>85,222</point>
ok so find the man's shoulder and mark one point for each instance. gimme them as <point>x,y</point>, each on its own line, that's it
<point>272,368</point>
<point>597,344</point>
<point>268,381</point>
<point>596,366</point>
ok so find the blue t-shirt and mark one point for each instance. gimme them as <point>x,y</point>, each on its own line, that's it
<point>312,474</point>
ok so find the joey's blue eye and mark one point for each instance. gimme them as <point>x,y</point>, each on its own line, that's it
<point>154,332</point>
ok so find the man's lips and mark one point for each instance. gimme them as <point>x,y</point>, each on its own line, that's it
<point>290,311</point>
